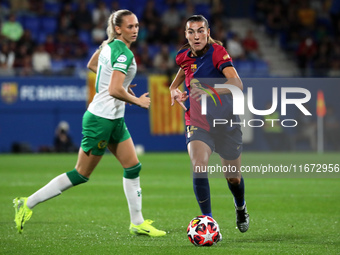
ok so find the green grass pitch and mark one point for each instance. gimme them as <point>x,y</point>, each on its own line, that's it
<point>288,215</point>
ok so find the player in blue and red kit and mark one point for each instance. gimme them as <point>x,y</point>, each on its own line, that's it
<point>203,62</point>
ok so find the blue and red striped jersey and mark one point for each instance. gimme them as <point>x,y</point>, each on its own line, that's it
<point>207,68</point>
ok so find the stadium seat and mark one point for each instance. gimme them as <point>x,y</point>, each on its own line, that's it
<point>91,50</point>
<point>91,6</point>
<point>245,68</point>
<point>41,37</point>
<point>58,65</point>
<point>35,35</point>
<point>203,9</point>
<point>261,68</point>
<point>20,19</point>
<point>123,4</point>
<point>52,7</point>
<point>49,24</point>
<point>153,50</point>
<point>138,8</point>
<point>85,37</point>
<point>32,23</point>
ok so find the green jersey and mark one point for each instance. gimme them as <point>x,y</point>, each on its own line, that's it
<point>114,56</point>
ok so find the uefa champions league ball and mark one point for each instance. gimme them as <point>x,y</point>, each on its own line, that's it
<point>203,231</point>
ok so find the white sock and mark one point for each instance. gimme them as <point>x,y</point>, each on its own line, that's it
<point>133,194</point>
<point>50,190</point>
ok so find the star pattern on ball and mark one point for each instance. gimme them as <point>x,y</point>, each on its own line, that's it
<point>208,236</point>
<point>205,221</point>
<point>192,232</point>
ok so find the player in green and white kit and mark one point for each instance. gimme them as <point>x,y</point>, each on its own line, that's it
<point>104,126</point>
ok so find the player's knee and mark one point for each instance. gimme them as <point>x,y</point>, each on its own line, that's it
<point>198,164</point>
<point>132,172</point>
<point>76,178</point>
<point>234,181</point>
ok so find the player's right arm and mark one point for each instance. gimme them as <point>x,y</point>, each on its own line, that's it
<point>117,90</point>
<point>175,93</point>
<point>93,62</point>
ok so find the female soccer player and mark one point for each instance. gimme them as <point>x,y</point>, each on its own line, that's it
<point>104,126</point>
<point>203,57</point>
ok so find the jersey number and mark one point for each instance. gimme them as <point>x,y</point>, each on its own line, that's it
<point>98,77</point>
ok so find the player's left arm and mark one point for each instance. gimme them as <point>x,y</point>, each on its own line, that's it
<point>233,79</point>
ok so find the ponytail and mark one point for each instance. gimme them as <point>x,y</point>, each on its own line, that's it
<point>115,19</point>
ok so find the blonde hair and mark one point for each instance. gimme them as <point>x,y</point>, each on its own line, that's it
<point>115,19</point>
<point>200,18</point>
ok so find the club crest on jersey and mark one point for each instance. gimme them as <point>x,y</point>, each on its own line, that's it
<point>102,144</point>
<point>193,67</point>
<point>226,56</point>
<point>190,130</point>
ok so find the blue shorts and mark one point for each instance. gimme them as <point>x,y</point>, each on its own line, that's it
<point>227,144</point>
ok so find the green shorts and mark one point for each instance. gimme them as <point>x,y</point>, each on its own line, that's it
<point>98,132</point>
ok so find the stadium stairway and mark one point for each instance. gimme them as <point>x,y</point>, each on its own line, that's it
<point>279,63</point>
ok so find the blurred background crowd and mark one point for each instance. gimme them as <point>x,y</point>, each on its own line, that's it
<point>48,37</point>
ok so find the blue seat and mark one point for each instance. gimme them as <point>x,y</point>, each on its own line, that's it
<point>245,68</point>
<point>203,9</point>
<point>91,50</point>
<point>261,69</point>
<point>35,35</point>
<point>85,37</point>
<point>49,24</point>
<point>52,7</point>
<point>161,7</point>
<point>91,6</point>
<point>138,9</point>
<point>153,50</point>
<point>41,37</point>
<point>32,23</point>
<point>123,4</point>
<point>20,19</point>
<point>58,65</point>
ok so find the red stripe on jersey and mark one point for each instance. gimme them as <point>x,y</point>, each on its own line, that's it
<point>220,57</point>
<point>208,67</point>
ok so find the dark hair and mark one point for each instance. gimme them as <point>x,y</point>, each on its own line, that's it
<point>200,18</point>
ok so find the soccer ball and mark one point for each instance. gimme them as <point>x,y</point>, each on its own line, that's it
<point>203,231</point>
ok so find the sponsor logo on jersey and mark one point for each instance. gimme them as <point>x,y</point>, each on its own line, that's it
<point>193,67</point>
<point>122,58</point>
<point>9,92</point>
<point>119,65</point>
